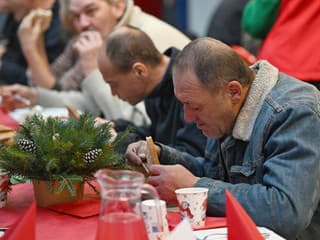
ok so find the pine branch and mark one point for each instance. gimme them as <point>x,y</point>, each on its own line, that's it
<point>60,149</point>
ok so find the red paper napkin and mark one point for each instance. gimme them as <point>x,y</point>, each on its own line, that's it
<point>82,209</point>
<point>25,227</point>
<point>7,120</point>
<point>239,222</point>
<point>174,219</point>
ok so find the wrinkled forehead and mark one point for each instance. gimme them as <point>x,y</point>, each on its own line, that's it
<point>186,83</point>
<point>78,5</point>
<point>183,76</point>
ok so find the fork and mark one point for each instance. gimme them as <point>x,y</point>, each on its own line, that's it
<point>222,236</point>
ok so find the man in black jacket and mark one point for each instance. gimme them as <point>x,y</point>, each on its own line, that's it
<point>137,71</point>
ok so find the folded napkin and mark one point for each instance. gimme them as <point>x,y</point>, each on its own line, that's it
<point>182,231</point>
<point>25,227</point>
<point>7,120</point>
<point>239,222</point>
<point>174,219</point>
<point>82,209</point>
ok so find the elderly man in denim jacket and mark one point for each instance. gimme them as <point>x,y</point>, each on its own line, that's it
<point>264,148</point>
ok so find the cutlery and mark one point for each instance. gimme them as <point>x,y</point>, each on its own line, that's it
<point>223,236</point>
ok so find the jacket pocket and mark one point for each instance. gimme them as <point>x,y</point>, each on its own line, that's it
<point>242,174</point>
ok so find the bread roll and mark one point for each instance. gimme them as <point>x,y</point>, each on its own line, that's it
<point>151,154</point>
<point>42,15</point>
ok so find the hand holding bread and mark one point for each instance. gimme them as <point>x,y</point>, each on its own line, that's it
<point>42,17</point>
<point>151,154</point>
<point>35,23</point>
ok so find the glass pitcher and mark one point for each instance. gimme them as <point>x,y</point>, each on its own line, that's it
<point>121,217</point>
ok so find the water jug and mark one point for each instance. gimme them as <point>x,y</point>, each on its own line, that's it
<point>121,217</point>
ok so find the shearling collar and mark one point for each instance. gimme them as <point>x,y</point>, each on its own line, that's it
<point>266,78</point>
<point>125,19</point>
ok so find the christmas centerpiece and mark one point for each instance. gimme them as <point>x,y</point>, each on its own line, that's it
<point>62,153</point>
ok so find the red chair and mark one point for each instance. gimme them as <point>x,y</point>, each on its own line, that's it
<point>247,56</point>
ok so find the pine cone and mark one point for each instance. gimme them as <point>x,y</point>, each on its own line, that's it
<point>26,145</point>
<point>90,156</point>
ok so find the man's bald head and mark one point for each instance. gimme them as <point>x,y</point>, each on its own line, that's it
<point>127,45</point>
<point>213,62</point>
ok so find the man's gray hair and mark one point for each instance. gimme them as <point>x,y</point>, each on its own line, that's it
<point>213,62</point>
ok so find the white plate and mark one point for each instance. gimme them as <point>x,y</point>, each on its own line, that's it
<point>221,234</point>
<point>20,114</point>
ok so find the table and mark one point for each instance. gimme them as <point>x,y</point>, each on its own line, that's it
<point>50,225</point>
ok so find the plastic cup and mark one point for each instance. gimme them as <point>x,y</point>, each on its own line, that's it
<point>157,226</point>
<point>192,203</point>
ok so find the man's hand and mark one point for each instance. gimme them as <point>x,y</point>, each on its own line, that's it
<point>136,156</point>
<point>32,28</point>
<point>17,96</point>
<point>88,46</point>
<point>167,178</point>
<point>136,152</point>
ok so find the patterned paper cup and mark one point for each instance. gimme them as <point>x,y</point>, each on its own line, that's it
<point>157,228</point>
<point>4,186</point>
<point>192,203</point>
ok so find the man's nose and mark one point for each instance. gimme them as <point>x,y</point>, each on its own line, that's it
<point>189,116</point>
<point>84,22</point>
<point>113,92</point>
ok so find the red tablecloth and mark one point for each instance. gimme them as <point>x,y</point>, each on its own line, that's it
<point>50,225</point>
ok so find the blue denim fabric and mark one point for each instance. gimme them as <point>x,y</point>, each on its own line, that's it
<point>275,175</point>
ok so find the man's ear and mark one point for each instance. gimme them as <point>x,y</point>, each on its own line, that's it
<point>234,90</point>
<point>140,70</point>
<point>118,8</point>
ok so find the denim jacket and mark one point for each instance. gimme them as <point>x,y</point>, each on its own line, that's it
<point>271,161</point>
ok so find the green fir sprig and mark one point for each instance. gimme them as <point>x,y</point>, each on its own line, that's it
<point>55,149</point>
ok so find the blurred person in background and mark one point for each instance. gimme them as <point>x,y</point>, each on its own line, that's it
<point>225,23</point>
<point>95,95</point>
<point>290,32</point>
<point>89,21</point>
<point>13,65</point>
<point>4,11</point>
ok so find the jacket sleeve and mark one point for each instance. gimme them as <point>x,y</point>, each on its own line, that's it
<point>259,16</point>
<point>170,156</point>
<point>79,100</point>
